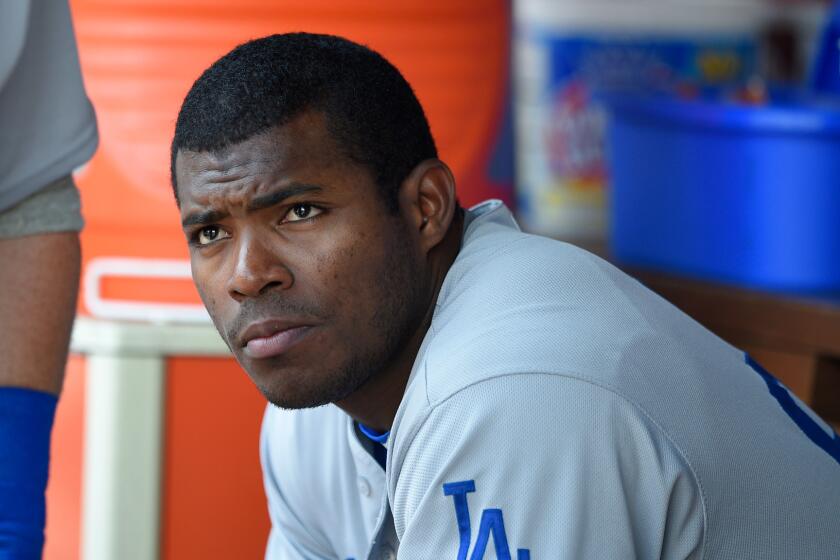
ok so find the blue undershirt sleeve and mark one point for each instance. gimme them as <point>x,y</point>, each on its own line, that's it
<point>26,419</point>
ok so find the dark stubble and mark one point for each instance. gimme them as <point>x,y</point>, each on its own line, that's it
<point>396,317</point>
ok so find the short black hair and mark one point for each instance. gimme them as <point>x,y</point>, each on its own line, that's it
<point>370,108</point>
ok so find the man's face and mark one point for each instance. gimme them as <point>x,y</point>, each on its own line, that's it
<point>309,278</point>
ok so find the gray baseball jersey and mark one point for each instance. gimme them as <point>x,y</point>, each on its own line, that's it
<point>47,124</point>
<point>558,409</point>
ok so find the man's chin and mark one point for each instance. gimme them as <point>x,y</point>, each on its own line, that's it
<point>306,395</point>
<point>293,402</point>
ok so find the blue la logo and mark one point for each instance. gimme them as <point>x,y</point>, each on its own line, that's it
<point>491,523</point>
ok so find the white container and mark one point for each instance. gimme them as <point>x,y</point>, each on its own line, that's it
<point>124,429</point>
<point>565,52</point>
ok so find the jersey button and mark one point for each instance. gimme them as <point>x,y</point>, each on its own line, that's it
<point>389,554</point>
<point>364,487</point>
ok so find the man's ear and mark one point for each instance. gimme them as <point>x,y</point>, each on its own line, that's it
<point>427,201</point>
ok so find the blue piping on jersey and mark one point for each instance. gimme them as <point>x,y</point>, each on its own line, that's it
<point>373,435</point>
<point>828,443</point>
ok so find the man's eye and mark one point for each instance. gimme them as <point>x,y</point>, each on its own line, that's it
<point>300,212</point>
<point>209,234</point>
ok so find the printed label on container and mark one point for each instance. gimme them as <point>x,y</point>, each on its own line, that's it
<point>562,168</point>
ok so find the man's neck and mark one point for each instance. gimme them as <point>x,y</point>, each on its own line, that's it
<point>375,404</point>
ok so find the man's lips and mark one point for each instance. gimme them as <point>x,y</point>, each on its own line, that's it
<point>272,338</point>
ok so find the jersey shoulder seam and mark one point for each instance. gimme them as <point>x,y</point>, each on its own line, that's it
<point>577,377</point>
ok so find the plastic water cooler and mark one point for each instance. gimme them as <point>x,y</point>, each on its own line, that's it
<point>155,450</point>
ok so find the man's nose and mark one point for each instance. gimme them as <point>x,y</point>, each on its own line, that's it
<point>258,268</point>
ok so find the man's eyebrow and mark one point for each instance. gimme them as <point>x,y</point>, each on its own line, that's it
<point>278,196</point>
<point>203,218</point>
<point>265,201</point>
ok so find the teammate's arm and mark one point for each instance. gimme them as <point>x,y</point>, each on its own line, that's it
<point>39,276</point>
<point>48,128</point>
<point>543,467</point>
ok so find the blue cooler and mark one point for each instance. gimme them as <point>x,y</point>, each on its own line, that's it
<point>740,194</point>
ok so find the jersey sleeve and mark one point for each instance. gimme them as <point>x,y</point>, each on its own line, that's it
<point>543,466</point>
<point>48,123</point>
<point>291,537</point>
